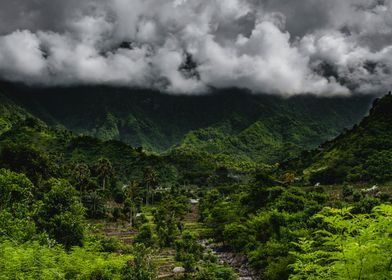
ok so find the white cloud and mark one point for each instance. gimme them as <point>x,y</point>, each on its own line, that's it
<point>267,46</point>
<point>21,57</point>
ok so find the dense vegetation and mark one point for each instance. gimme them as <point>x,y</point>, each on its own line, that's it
<point>228,124</point>
<point>304,233</point>
<point>79,207</point>
<point>361,154</point>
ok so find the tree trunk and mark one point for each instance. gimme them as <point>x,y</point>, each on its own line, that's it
<point>148,193</point>
<point>130,217</point>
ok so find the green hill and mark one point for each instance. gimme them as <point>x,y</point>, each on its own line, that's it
<point>10,114</point>
<point>231,123</point>
<point>362,154</point>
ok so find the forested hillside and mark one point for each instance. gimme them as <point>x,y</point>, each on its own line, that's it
<point>361,154</point>
<point>230,123</point>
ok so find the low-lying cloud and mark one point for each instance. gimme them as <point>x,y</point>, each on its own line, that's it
<point>190,46</point>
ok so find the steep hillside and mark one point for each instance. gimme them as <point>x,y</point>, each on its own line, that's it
<point>230,123</point>
<point>28,145</point>
<point>362,154</point>
<point>10,114</point>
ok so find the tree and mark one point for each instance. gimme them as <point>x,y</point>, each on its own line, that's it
<point>142,266</point>
<point>16,207</point>
<point>95,205</point>
<point>81,173</point>
<point>104,170</point>
<point>237,236</point>
<point>129,210</point>
<point>150,179</point>
<point>188,250</point>
<point>145,236</point>
<point>14,188</point>
<point>25,159</point>
<point>62,215</point>
<point>130,192</point>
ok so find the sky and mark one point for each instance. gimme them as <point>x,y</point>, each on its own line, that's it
<point>285,47</point>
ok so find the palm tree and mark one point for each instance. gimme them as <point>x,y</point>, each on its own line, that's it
<point>96,205</point>
<point>150,180</point>
<point>130,192</point>
<point>104,170</point>
<point>81,173</point>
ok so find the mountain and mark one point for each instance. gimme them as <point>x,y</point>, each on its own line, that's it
<point>361,154</point>
<point>231,124</point>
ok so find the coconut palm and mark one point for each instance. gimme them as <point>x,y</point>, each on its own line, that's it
<point>104,170</point>
<point>150,179</point>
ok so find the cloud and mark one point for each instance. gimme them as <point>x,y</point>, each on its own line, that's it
<point>21,57</point>
<point>190,46</point>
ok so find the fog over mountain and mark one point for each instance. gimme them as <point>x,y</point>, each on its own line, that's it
<point>286,47</point>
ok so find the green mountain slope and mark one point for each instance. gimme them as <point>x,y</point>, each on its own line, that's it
<point>231,123</point>
<point>362,154</point>
<point>28,145</point>
<point>10,114</point>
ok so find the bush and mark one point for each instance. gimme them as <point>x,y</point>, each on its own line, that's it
<point>188,250</point>
<point>141,267</point>
<point>347,191</point>
<point>357,196</point>
<point>237,236</point>
<point>365,205</point>
<point>34,261</point>
<point>215,272</point>
<point>145,236</point>
<point>291,201</point>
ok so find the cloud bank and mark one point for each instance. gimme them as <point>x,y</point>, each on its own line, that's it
<point>190,46</point>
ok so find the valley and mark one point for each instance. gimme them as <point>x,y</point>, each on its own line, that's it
<point>74,206</point>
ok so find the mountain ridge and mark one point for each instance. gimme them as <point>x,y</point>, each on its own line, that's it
<point>235,123</point>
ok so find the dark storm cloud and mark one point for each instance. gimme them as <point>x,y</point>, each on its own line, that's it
<point>187,46</point>
<point>38,14</point>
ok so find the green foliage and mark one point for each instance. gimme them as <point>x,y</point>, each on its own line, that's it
<point>293,200</point>
<point>16,190</point>
<point>188,250</point>
<point>219,216</point>
<point>284,231</point>
<point>145,236</point>
<point>362,154</point>
<point>104,170</point>
<point>365,205</point>
<point>28,160</point>
<point>34,261</point>
<point>215,272</point>
<point>61,214</point>
<point>168,218</point>
<point>347,191</point>
<point>94,204</point>
<point>16,207</point>
<point>237,236</point>
<point>235,126</point>
<point>141,267</point>
<point>352,246</point>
